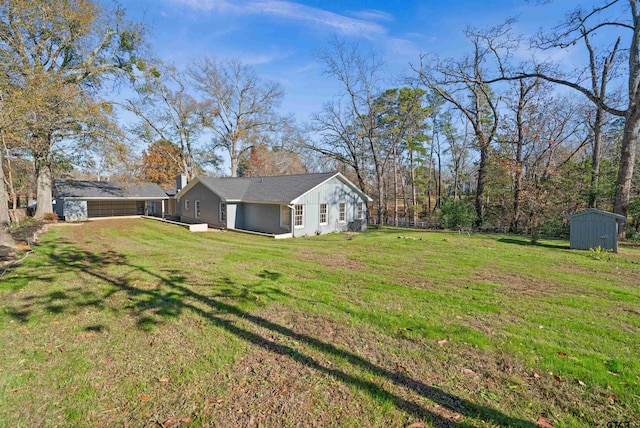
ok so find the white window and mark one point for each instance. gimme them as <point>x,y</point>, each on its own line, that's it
<point>323,214</point>
<point>285,216</point>
<point>343,213</point>
<point>186,204</point>
<point>360,210</point>
<point>196,207</point>
<point>223,212</point>
<point>298,217</point>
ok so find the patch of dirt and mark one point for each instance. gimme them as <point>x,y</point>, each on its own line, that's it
<point>517,284</point>
<point>334,259</point>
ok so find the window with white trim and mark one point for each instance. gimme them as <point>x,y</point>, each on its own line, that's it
<point>285,216</point>
<point>223,212</point>
<point>323,214</point>
<point>360,210</point>
<point>186,204</point>
<point>343,213</point>
<point>196,207</point>
<point>298,216</point>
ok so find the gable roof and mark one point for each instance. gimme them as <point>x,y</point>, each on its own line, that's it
<point>79,189</point>
<point>596,211</point>
<point>278,189</point>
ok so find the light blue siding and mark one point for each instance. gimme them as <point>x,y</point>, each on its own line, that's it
<point>333,193</point>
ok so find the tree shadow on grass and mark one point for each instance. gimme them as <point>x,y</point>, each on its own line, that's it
<point>527,243</point>
<point>173,295</point>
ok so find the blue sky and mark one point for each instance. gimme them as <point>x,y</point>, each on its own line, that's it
<point>279,38</point>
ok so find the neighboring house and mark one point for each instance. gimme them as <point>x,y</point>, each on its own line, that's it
<point>594,228</point>
<point>283,206</point>
<point>80,200</point>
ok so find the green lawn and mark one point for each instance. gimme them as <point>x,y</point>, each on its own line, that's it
<point>140,323</point>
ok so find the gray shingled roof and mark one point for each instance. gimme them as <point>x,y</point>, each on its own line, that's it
<point>107,190</point>
<point>281,188</point>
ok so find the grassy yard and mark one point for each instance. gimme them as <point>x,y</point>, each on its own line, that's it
<point>139,323</point>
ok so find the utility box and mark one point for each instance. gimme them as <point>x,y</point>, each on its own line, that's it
<point>594,228</point>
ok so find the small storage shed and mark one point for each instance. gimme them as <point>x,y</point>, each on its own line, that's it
<point>594,228</point>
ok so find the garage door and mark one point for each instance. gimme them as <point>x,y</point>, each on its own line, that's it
<point>114,208</point>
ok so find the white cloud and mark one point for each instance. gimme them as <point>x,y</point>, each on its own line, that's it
<point>373,15</point>
<point>295,12</point>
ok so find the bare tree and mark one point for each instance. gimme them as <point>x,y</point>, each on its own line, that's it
<point>239,108</point>
<point>168,112</point>
<point>338,139</point>
<point>359,76</point>
<point>584,24</point>
<point>461,84</point>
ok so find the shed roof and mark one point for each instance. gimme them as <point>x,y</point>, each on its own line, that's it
<point>80,189</point>
<point>280,188</point>
<point>596,211</point>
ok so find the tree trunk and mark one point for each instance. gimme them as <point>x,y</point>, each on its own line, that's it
<point>395,187</point>
<point>234,166</point>
<point>625,170</point>
<point>482,177</point>
<point>4,203</point>
<point>517,189</point>
<point>5,236</point>
<point>414,195</point>
<point>439,197</point>
<point>43,186</point>
<point>380,183</point>
<point>595,158</point>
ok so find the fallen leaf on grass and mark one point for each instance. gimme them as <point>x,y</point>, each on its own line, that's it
<point>163,379</point>
<point>581,383</point>
<point>168,423</point>
<point>536,375</point>
<point>468,371</point>
<point>185,420</point>
<point>544,422</point>
<point>144,397</point>
<point>90,334</point>
<point>562,354</point>
<point>417,425</point>
<point>556,377</point>
<point>443,342</point>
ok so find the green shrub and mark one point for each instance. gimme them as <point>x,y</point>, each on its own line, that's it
<point>599,253</point>
<point>457,213</point>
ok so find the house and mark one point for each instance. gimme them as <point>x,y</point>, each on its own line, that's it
<point>81,200</point>
<point>282,206</point>
<point>594,228</point>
